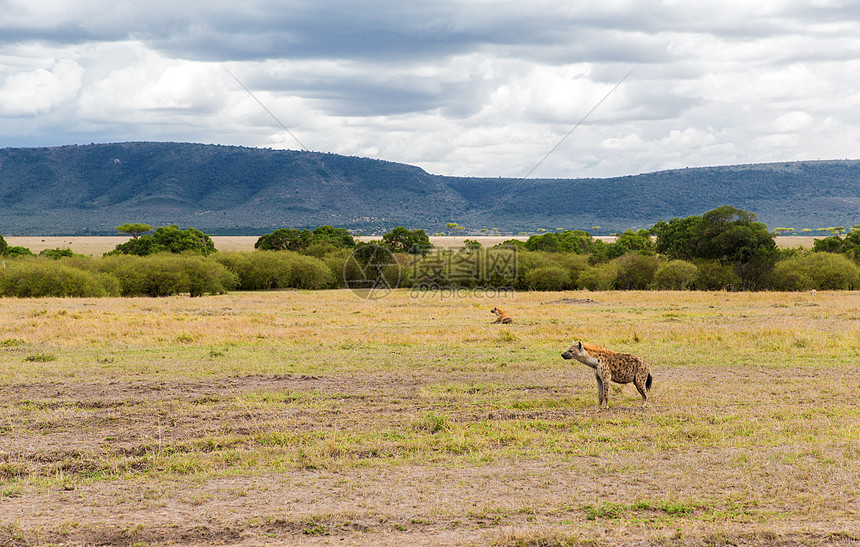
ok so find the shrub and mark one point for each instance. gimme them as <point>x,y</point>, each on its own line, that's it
<point>167,239</point>
<point>39,278</point>
<point>829,271</point>
<point>713,276</point>
<point>57,254</point>
<point>675,275</point>
<point>207,276</point>
<point>320,249</point>
<point>549,278</point>
<point>575,264</point>
<point>787,276</point>
<point>369,265</point>
<point>166,274</point>
<point>528,261</point>
<point>636,271</point>
<point>308,272</point>
<point>495,267</point>
<point>259,270</point>
<point>17,250</point>
<point>336,262</point>
<point>143,277</point>
<point>567,241</point>
<point>432,269</point>
<point>600,277</point>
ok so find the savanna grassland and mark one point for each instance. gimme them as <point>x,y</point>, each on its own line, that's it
<point>295,417</point>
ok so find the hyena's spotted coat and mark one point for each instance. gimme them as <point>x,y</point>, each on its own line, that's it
<point>621,368</point>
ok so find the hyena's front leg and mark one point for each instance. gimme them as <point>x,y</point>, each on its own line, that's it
<point>602,390</point>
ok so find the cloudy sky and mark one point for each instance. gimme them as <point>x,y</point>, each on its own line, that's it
<point>459,87</point>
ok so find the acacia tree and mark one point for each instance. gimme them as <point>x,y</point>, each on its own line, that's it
<point>134,229</point>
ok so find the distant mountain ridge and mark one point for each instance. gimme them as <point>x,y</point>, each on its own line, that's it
<point>224,190</point>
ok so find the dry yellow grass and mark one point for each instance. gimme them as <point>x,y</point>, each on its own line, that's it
<point>303,417</point>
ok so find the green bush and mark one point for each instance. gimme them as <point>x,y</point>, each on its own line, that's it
<point>40,278</point>
<point>575,264</point>
<point>713,276</point>
<point>472,267</point>
<point>336,262</point>
<point>320,249</point>
<point>600,277</point>
<point>430,270</point>
<point>57,254</point>
<point>549,278</point>
<point>18,251</point>
<point>528,261</point>
<point>308,272</point>
<point>787,276</point>
<point>259,270</point>
<point>636,271</point>
<point>829,271</point>
<point>167,274</point>
<point>675,275</point>
<point>567,241</point>
<point>167,239</point>
<point>207,276</point>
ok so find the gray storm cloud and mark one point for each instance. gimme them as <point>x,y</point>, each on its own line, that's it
<point>460,88</point>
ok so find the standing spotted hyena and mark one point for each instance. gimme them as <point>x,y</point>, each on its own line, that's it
<point>621,368</point>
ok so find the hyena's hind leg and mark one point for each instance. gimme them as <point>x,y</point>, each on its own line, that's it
<point>643,385</point>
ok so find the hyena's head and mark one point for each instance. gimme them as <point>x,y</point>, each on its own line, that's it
<point>497,311</point>
<point>575,351</point>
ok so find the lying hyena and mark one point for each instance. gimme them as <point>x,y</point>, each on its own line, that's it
<point>621,368</point>
<point>501,316</point>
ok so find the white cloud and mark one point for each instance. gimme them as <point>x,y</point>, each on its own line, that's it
<point>39,91</point>
<point>791,122</point>
<point>458,87</point>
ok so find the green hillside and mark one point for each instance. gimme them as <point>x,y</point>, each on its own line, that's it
<point>77,190</point>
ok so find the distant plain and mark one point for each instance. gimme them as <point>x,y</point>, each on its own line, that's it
<point>97,245</point>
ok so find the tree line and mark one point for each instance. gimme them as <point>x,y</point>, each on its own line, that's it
<point>723,249</point>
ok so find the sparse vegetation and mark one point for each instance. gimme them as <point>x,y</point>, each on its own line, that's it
<point>410,417</point>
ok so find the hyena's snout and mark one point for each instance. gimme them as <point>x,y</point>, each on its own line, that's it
<point>567,355</point>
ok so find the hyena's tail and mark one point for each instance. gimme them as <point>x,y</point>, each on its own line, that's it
<point>648,382</point>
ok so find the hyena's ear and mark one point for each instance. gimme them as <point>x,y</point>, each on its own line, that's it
<point>579,346</point>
